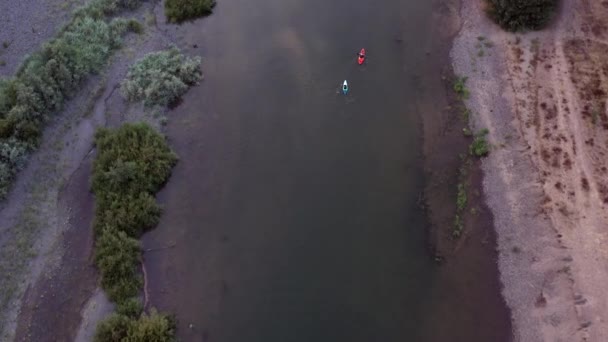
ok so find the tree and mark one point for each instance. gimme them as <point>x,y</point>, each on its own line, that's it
<point>518,15</point>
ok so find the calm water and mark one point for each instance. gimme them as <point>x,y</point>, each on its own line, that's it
<point>294,209</point>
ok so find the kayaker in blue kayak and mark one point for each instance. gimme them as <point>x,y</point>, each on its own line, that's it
<point>345,87</point>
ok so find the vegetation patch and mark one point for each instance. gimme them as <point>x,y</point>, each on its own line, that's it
<point>178,11</point>
<point>161,78</point>
<point>480,147</point>
<point>520,15</point>
<point>461,198</point>
<point>52,75</point>
<point>132,163</point>
<point>145,328</point>
<point>481,45</point>
<point>460,87</point>
<point>116,256</point>
<point>461,204</point>
<point>461,195</point>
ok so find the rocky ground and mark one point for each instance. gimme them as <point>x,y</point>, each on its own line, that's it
<point>542,95</point>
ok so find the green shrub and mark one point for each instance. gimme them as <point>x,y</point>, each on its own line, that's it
<point>12,159</point>
<point>102,8</point>
<point>131,308</point>
<point>518,15</point>
<point>130,213</point>
<point>178,11</point>
<point>131,159</point>
<point>160,78</point>
<point>113,329</point>
<point>129,4</point>
<point>132,163</point>
<point>153,327</point>
<point>460,87</point>
<point>135,26</point>
<point>461,198</point>
<point>480,147</point>
<point>458,226</point>
<point>117,257</point>
<point>147,328</point>
<point>47,78</point>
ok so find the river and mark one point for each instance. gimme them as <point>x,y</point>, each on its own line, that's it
<point>294,213</point>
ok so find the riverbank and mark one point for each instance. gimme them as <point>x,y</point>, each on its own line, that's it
<point>468,299</point>
<point>542,97</point>
<point>46,219</point>
<point>542,189</point>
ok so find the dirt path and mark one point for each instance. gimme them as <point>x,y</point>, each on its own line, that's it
<point>543,97</point>
<point>57,297</point>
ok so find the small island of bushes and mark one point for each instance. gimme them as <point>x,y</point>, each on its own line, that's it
<point>132,163</point>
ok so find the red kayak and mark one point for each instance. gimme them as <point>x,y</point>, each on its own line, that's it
<point>361,57</point>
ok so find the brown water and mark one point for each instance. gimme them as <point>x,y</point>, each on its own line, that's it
<point>294,210</point>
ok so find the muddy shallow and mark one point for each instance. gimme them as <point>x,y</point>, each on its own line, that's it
<point>295,211</point>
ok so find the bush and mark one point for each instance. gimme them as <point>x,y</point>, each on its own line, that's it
<point>131,308</point>
<point>50,76</point>
<point>518,15</point>
<point>135,26</point>
<point>12,159</point>
<point>460,87</point>
<point>131,159</point>
<point>160,78</point>
<point>480,147</point>
<point>154,327</point>
<point>132,214</point>
<point>113,329</point>
<point>117,257</point>
<point>147,328</point>
<point>461,198</point>
<point>458,226</point>
<point>132,163</point>
<point>101,8</point>
<point>178,11</point>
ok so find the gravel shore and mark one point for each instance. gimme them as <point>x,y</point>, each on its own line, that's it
<point>528,90</point>
<point>508,175</point>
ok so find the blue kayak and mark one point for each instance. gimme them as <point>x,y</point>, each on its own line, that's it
<point>345,87</point>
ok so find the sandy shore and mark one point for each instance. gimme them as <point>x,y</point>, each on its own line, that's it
<point>542,96</point>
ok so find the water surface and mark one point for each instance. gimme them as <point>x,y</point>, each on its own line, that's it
<point>294,210</point>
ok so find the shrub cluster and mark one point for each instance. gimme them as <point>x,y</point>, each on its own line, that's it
<point>132,164</point>
<point>480,147</point>
<point>518,15</point>
<point>133,161</point>
<point>99,9</point>
<point>48,77</point>
<point>145,328</point>
<point>460,88</point>
<point>160,78</point>
<point>178,11</point>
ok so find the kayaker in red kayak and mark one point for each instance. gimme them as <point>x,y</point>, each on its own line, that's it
<point>361,56</point>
